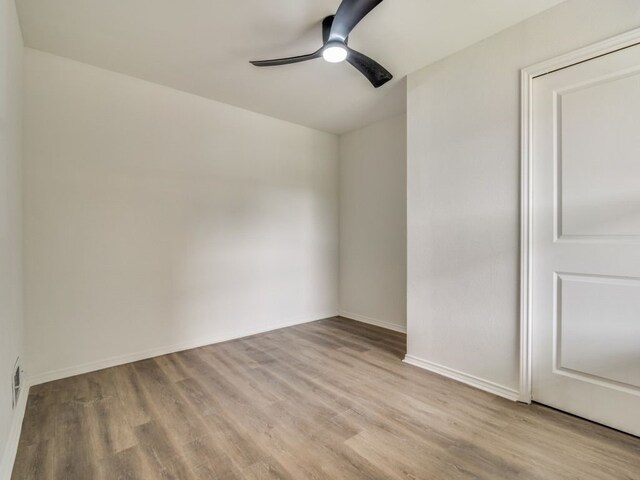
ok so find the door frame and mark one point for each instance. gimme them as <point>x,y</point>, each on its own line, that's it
<point>527,76</point>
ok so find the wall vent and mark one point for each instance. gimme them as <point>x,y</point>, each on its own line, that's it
<point>16,382</point>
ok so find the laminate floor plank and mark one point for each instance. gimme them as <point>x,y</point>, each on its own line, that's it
<point>325,400</point>
<point>73,456</point>
<point>40,416</point>
<point>127,464</point>
<point>133,400</point>
<point>109,432</point>
<point>169,407</point>
<point>35,460</point>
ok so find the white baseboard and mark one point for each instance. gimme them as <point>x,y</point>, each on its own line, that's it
<point>155,352</point>
<point>373,321</point>
<point>471,380</point>
<point>11,448</point>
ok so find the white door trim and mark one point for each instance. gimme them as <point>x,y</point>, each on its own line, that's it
<point>526,248</point>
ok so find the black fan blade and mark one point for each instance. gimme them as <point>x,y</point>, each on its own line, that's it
<point>375,73</point>
<point>349,14</point>
<point>286,61</point>
<point>326,28</point>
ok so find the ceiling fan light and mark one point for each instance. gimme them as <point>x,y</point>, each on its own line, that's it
<point>334,52</point>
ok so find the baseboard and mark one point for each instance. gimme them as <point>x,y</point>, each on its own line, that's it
<point>471,380</point>
<point>155,352</point>
<point>11,448</point>
<point>373,321</point>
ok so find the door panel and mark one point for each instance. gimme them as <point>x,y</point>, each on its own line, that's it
<point>599,145</point>
<point>598,329</point>
<point>586,239</point>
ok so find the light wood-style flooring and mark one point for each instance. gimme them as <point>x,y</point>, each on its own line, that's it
<point>324,400</point>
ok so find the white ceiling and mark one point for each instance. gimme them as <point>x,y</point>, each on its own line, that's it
<point>203,47</point>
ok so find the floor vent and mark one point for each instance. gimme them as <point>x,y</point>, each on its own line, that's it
<point>16,382</point>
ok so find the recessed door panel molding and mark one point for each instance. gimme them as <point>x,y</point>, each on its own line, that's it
<point>597,151</point>
<point>597,329</point>
<point>581,234</point>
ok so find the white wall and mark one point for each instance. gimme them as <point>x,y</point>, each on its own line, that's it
<point>158,220</point>
<point>10,225</point>
<point>373,224</point>
<point>463,190</point>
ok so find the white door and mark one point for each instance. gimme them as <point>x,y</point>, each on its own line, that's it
<point>586,239</point>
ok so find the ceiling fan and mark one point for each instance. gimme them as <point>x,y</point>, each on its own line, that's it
<point>335,37</point>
